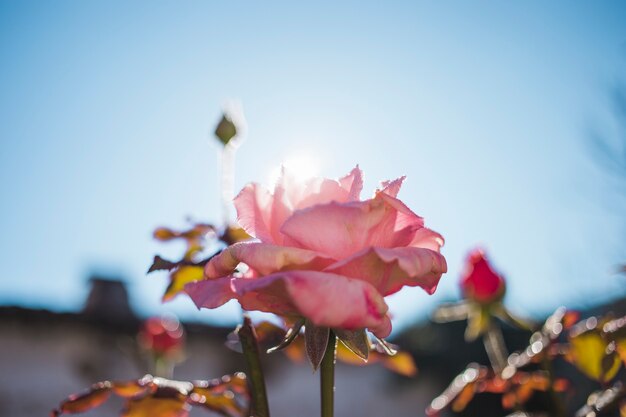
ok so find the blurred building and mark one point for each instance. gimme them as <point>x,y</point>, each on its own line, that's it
<point>45,356</point>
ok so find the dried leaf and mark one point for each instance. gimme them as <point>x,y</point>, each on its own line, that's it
<point>227,396</point>
<point>160,397</point>
<point>135,388</point>
<point>164,234</point>
<point>386,347</point>
<point>234,234</point>
<point>291,334</point>
<point>160,264</point>
<point>316,340</point>
<point>464,397</point>
<point>355,340</point>
<point>94,397</point>
<point>459,392</point>
<point>157,407</point>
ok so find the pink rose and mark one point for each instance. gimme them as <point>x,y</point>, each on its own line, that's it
<point>479,282</point>
<point>323,254</point>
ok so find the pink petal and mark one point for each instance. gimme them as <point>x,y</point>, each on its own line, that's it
<point>426,238</point>
<point>399,225</point>
<point>321,297</point>
<point>388,270</point>
<point>353,182</point>
<point>340,230</point>
<point>254,207</point>
<point>392,188</point>
<point>264,258</point>
<point>211,293</point>
<point>262,214</point>
<point>335,229</point>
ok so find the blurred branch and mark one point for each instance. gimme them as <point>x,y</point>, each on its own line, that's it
<point>250,347</point>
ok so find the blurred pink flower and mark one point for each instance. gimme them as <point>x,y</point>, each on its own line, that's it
<point>163,336</point>
<point>323,254</point>
<point>479,282</point>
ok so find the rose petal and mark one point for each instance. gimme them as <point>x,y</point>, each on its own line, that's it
<point>321,297</point>
<point>426,238</point>
<point>399,226</point>
<point>254,207</point>
<point>340,230</point>
<point>353,182</point>
<point>264,258</point>
<point>335,229</point>
<point>261,214</point>
<point>392,188</point>
<point>211,293</point>
<point>322,190</point>
<point>390,269</point>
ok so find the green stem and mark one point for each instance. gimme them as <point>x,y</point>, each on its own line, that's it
<point>163,367</point>
<point>250,347</point>
<point>327,376</point>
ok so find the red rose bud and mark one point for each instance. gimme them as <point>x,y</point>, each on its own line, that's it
<point>479,282</point>
<point>163,336</point>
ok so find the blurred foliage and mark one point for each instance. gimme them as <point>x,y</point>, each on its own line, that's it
<point>159,397</point>
<point>197,239</point>
<point>369,352</point>
<point>594,346</point>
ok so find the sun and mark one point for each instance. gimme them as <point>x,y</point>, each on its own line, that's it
<point>301,168</point>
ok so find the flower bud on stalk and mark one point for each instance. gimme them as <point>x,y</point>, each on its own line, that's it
<point>479,283</point>
<point>163,339</point>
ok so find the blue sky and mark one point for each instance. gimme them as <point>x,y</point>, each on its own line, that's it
<point>106,109</point>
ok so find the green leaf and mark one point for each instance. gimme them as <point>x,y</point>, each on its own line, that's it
<point>315,339</point>
<point>291,334</point>
<point>355,340</point>
<point>225,130</point>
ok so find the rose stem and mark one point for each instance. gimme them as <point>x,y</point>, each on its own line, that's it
<point>495,347</point>
<point>227,162</point>
<point>250,347</point>
<point>327,376</point>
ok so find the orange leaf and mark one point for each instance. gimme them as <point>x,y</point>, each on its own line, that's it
<point>150,406</point>
<point>79,403</point>
<point>464,397</point>
<point>401,363</point>
<point>129,389</point>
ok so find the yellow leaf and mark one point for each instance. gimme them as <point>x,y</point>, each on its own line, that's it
<point>621,349</point>
<point>588,352</point>
<point>180,277</point>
